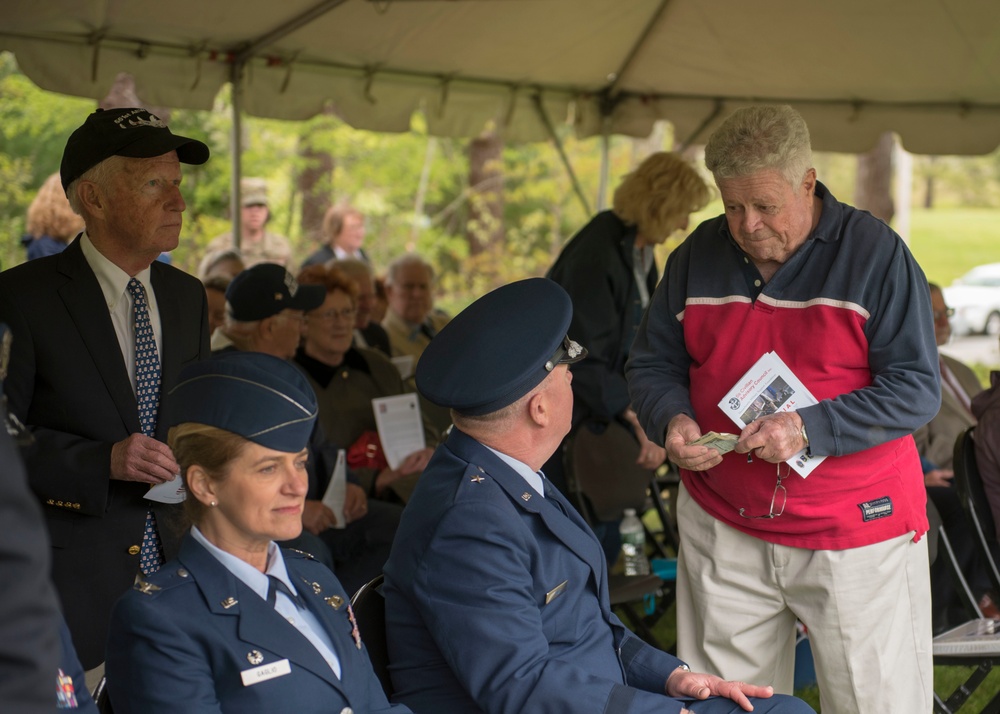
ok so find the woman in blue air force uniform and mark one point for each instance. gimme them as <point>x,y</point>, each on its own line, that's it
<point>235,624</point>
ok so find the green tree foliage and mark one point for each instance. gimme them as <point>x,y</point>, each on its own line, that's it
<point>380,174</point>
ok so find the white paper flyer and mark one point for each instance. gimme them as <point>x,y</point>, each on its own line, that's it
<point>336,490</point>
<point>400,427</point>
<point>172,491</point>
<point>770,387</point>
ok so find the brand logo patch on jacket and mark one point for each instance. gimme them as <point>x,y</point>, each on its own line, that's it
<point>873,510</point>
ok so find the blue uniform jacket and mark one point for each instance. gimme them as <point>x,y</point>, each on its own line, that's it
<point>180,642</point>
<point>498,602</point>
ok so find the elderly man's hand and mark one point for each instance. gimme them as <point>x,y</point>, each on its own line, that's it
<point>682,683</point>
<point>938,477</point>
<point>774,438</point>
<point>681,430</point>
<point>144,459</point>
<point>317,517</point>
<point>355,503</point>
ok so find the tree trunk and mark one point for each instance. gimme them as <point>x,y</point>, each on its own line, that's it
<point>485,227</point>
<point>873,190</point>
<point>122,96</point>
<point>315,185</point>
<point>929,182</point>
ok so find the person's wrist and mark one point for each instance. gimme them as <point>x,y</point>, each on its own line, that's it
<point>679,671</point>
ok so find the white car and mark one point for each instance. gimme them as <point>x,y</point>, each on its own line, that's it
<point>975,298</point>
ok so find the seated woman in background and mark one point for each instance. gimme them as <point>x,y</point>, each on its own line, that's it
<point>346,379</point>
<point>235,624</point>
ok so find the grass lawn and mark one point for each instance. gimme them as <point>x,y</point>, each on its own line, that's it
<point>947,242</point>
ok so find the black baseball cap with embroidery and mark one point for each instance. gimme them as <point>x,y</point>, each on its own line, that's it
<point>266,289</point>
<point>132,132</point>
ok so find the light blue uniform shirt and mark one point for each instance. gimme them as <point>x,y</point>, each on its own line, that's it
<point>299,617</point>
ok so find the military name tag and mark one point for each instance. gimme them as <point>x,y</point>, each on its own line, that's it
<point>265,672</point>
<point>556,591</point>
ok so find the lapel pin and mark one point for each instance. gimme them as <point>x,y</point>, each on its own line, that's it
<point>146,587</point>
<point>229,602</point>
<point>526,496</point>
<point>476,479</point>
<point>316,588</point>
<point>335,601</point>
<point>254,657</point>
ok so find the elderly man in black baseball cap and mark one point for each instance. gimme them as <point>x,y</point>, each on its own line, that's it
<point>265,312</point>
<point>102,330</point>
<point>496,589</point>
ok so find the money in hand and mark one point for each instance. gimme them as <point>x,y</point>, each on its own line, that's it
<point>723,443</point>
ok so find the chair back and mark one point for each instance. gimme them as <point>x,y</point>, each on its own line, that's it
<point>972,495</point>
<point>601,472</point>
<point>369,611</point>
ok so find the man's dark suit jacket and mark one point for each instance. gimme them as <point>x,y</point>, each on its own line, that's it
<point>69,383</point>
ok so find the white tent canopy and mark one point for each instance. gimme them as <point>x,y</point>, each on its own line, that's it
<point>927,69</point>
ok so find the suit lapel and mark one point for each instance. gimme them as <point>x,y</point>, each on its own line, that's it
<point>570,528</point>
<point>84,302</point>
<point>258,623</point>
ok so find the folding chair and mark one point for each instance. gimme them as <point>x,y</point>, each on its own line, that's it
<point>369,610</point>
<point>602,483</point>
<point>977,642</point>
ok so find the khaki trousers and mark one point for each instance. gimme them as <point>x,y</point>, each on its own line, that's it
<point>867,611</point>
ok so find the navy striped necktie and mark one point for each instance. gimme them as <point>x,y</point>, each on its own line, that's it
<point>147,397</point>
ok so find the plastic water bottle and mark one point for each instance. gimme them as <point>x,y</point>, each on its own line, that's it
<point>633,544</point>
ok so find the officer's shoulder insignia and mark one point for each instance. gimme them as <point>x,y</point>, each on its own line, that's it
<point>299,553</point>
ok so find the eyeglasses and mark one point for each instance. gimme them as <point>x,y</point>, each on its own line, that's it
<point>938,314</point>
<point>293,316</point>
<point>778,498</point>
<point>346,314</point>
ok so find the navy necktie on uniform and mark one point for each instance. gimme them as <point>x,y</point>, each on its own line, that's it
<point>147,397</point>
<point>551,496</point>
<point>275,585</point>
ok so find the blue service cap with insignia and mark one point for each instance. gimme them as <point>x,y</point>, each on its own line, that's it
<point>499,348</point>
<point>257,396</point>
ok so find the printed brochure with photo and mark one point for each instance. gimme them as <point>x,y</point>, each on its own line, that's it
<point>770,387</point>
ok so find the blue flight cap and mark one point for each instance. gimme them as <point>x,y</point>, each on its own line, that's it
<point>257,396</point>
<point>499,348</point>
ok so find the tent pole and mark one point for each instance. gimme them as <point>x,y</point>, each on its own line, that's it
<point>561,151</point>
<point>236,146</point>
<point>602,184</point>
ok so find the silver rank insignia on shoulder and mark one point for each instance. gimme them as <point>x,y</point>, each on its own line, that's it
<point>303,553</point>
<point>254,657</point>
<point>229,602</point>
<point>146,587</point>
<point>335,601</point>
<point>526,496</point>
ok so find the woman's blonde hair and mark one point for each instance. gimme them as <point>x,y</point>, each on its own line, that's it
<point>659,194</point>
<point>50,213</point>
<point>209,447</point>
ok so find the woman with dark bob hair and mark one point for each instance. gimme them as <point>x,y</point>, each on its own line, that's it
<point>236,624</point>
